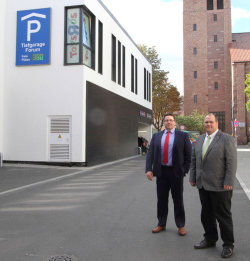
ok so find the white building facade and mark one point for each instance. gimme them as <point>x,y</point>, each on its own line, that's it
<point>85,99</point>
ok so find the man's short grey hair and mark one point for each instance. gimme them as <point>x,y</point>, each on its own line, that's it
<point>212,114</point>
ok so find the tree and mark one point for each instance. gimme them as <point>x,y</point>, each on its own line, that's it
<point>247,91</point>
<point>192,122</point>
<point>165,97</point>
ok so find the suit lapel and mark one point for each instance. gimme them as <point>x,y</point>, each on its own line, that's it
<point>213,143</point>
<point>200,144</point>
<point>159,138</point>
<point>176,137</point>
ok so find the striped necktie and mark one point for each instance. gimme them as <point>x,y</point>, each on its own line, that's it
<point>205,146</point>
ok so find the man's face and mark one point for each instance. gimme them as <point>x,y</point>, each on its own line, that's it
<point>211,125</point>
<point>169,122</point>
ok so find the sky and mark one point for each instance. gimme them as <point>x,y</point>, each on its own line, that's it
<point>159,23</point>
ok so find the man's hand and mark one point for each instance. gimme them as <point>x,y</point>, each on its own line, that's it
<point>227,187</point>
<point>193,184</point>
<point>150,175</point>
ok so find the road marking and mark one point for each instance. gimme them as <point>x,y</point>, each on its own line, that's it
<point>244,187</point>
<point>64,176</point>
<point>243,149</point>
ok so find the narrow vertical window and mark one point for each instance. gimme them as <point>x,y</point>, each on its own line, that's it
<point>220,4</point>
<point>145,84</point>
<point>113,59</point>
<point>123,65</point>
<point>132,74</point>
<point>194,27</point>
<point>195,74</point>
<point>210,4</point>
<point>135,76</point>
<point>195,51</point>
<point>100,46</point>
<point>119,62</point>
<point>215,17</point>
<point>216,86</point>
<point>195,98</point>
<point>215,65</point>
<point>149,98</point>
<point>86,39</point>
<point>215,38</point>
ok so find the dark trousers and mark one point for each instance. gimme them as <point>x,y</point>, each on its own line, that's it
<point>217,206</point>
<point>169,182</point>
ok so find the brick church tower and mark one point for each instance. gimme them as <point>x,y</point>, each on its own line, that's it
<point>207,64</point>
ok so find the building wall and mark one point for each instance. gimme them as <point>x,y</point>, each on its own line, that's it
<point>111,125</point>
<point>209,99</point>
<point>194,13</point>
<point>2,73</point>
<point>34,93</point>
<point>239,72</point>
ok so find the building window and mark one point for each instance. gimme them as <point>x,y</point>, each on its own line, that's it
<point>123,65</point>
<point>113,58</point>
<point>135,76</point>
<point>221,119</point>
<point>195,98</point>
<point>195,74</point>
<point>149,98</point>
<point>216,86</point>
<point>132,74</point>
<point>220,4</point>
<point>210,4</point>
<point>119,62</point>
<point>215,65</point>
<point>100,46</point>
<point>194,27</point>
<point>147,85</point>
<point>215,17</point>
<point>79,36</point>
<point>215,38</point>
<point>195,51</point>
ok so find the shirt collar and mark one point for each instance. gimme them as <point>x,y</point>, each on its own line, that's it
<point>213,134</point>
<point>171,131</point>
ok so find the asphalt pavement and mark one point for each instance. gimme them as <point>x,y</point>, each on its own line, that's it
<point>105,213</point>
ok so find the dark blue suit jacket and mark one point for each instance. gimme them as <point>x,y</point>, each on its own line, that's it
<point>181,154</point>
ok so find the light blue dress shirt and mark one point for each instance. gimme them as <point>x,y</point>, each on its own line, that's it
<point>170,146</point>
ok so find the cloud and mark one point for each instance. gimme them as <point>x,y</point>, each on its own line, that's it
<point>155,23</point>
<point>238,14</point>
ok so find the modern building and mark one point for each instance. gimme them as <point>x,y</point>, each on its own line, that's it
<point>210,66</point>
<point>74,87</point>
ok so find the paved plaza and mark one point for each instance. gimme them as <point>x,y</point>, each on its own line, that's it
<point>105,213</point>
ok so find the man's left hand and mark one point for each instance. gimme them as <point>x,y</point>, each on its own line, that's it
<point>227,187</point>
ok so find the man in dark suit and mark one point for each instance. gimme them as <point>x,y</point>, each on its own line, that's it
<point>168,159</point>
<point>213,170</point>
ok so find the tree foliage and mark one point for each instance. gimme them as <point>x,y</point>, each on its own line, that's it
<point>165,97</point>
<point>247,91</point>
<point>192,122</point>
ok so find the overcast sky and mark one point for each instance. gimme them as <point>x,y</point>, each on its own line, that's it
<point>159,23</point>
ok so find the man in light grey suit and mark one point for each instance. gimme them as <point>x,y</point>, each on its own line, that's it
<point>213,170</point>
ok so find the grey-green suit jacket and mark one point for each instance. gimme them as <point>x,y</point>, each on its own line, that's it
<point>218,168</point>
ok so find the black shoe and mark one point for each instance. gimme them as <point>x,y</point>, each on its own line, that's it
<point>204,244</point>
<point>226,252</point>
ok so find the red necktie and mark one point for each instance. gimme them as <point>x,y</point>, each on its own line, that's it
<point>165,153</point>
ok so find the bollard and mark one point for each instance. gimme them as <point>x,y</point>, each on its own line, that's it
<point>1,159</point>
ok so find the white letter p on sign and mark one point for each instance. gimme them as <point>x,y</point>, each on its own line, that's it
<point>32,31</point>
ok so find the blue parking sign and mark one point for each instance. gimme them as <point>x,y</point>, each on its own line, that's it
<point>33,37</point>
